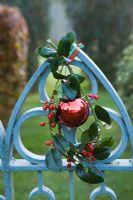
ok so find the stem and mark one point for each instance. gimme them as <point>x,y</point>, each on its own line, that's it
<point>93,112</point>
<point>52,44</point>
<point>70,69</point>
<point>81,129</point>
<point>56,84</point>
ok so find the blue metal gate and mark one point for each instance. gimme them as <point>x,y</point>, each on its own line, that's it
<point>33,162</point>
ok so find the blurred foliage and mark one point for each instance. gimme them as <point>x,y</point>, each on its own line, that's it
<point>103,26</point>
<point>13,57</point>
<point>36,14</point>
<point>125,76</point>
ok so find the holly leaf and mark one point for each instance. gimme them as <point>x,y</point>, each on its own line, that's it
<point>46,52</point>
<point>59,91</point>
<point>64,47</point>
<point>70,153</point>
<point>88,177</point>
<point>107,142</point>
<point>73,148</point>
<point>71,37</point>
<point>89,134</point>
<point>74,82</point>
<point>68,91</point>
<point>102,114</point>
<point>101,153</point>
<point>61,143</point>
<point>58,75</point>
<point>52,43</point>
<point>54,63</point>
<point>80,78</point>
<point>54,160</point>
<point>56,116</point>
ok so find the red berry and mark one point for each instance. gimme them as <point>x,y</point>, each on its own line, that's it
<point>89,154</point>
<point>93,96</point>
<point>42,123</point>
<point>97,97</point>
<point>53,124</point>
<point>59,133</point>
<point>70,160</point>
<point>48,142</point>
<point>84,153</point>
<point>69,165</point>
<point>93,158</point>
<point>50,115</point>
<point>52,107</point>
<point>89,147</point>
<point>44,108</point>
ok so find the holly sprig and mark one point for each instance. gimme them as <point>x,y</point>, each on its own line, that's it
<point>58,56</point>
<point>68,87</point>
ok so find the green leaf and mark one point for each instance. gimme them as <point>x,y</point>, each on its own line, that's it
<point>70,153</point>
<point>85,138</point>
<point>102,114</point>
<point>89,134</point>
<point>59,91</point>
<point>101,153</point>
<point>68,91</point>
<point>73,148</point>
<point>58,75</point>
<point>47,52</point>
<point>52,43</point>
<point>64,47</point>
<point>71,37</point>
<point>56,116</point>
<point>93,130</point>
<point>107,142</point>
<point>54,63</point>
<point>80,78</point>
<point>54,160</point>
<point>74,82</point>
<point>61,143</point>
<point>88,177</point>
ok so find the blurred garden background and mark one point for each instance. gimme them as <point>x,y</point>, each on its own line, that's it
<point>105,27</point>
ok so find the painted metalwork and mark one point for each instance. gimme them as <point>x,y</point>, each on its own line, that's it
<point>33,162</point>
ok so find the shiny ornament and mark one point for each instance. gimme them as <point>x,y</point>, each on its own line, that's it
<point>73,113</point>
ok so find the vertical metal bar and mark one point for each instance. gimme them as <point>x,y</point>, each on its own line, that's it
<point>40,180</point>
<point>8,182</point>
<point>71,185</point>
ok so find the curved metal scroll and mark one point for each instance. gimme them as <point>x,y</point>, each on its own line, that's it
<point>2,198</point>
<point>103,189</point>
<point>41,189</point>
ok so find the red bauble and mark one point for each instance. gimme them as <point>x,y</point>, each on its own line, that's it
<point>73,113</point>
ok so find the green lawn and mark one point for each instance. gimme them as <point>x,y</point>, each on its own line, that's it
<point>33,137</point>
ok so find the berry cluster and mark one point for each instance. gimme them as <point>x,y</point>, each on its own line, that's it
<point>88,152</point>
<point>51,107</point>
